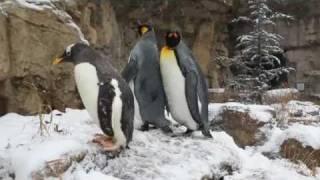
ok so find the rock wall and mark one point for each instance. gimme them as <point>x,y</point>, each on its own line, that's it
<point>34,32</point>
<point>301,38</point>
<point>33,35</point>
<point>302,44</point>
<point>203,25</point>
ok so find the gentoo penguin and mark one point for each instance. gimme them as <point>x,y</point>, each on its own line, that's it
<point>104,93</point>
<point>143,73</point>
<point>184,85</point>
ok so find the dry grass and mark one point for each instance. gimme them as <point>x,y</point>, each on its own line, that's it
<point>43,109</point>
<point>297,153</point>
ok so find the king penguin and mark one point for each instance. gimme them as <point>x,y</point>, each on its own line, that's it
<point>104,93</point>
<point>143,74</point>
<point>184,85</point>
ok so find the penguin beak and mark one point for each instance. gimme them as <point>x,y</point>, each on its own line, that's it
<point>144,30</point>
<point>57,60</point>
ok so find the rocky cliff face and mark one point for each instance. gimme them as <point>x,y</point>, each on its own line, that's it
<point>32,35</point>
<point>301,38</point>
<point>203,25</point>
<point>302,42</point>
<point>33,32</point>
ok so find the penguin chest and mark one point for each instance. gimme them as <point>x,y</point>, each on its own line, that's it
<point>87,84</point>
<point>174,86</point>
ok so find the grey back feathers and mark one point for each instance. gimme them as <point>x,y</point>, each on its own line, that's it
<point>143,69</point>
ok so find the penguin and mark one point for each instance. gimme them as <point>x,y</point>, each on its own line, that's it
<point>184,84</point>
<point>104,93</point>
<point>143,74</point>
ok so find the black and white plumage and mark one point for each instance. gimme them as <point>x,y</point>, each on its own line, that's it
<point>104,93</point>
<point>143,74</point>
<point>184,84</point>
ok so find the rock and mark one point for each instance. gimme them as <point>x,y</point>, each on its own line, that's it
<point>34,38</point>
<point>241,127</point>
<point>302,112</point>
<point>98,23</point>
<point>201,28</point>
<point>280,96</point>
<point>203,48</point>
<point>4,49</point>
<point>28,81</point>
<point>56,168</point>
<point>295,151</point>
<point>301,40</point>
<point>241,122</point>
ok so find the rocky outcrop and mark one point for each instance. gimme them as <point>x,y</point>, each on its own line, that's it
<point>33,35</point>
<point>97,21</point>
<point>295,151</point>
<point>244,123</point>
<point>241,127</point>
<point>36,32</point>
<point>56,168</point>
<point>203,25</point>
<point>302,43</point>
<point>33,39</point>
<point>280,96</point>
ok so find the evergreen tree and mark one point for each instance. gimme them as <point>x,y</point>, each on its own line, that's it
<point>261,58</point>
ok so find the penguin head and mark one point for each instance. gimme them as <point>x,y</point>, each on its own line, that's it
<point>72,54</point>
<point>172,39</point>
<point>144,28</point>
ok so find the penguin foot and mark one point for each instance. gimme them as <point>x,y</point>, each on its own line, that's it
<point>102,140</point>
<point>206,133</point>
<point>144,127</point>
<point>166,129</point>
<point>188,133</point>
<point>112,148</point>
<point>106,143</point>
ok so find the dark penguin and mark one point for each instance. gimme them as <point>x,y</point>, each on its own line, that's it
<point>105,95</point>
<point>184,85</point>
<point>143,74</point>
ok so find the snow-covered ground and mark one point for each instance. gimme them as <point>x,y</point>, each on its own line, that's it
<point>152,155</point>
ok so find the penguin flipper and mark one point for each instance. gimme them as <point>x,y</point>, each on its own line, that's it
<point>192,96</point>
<point>131,70</point>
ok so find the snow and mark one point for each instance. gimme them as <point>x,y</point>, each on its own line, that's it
<point>31,157</point>
<point>281,92</point>
<point>216,90</point>
<point>306,134</point>
<point>40,5</point>
<point>152,154</point>
<point>94,175</point>
<point>35,4</point>
<point>260,113</point>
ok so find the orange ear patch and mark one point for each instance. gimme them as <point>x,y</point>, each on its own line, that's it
<point>167,53</point>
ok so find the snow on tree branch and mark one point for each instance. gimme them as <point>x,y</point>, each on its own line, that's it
<point>259,49</point>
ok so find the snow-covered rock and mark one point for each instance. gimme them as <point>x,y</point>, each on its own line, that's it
<point>296,142</point>
<point>280,96</point>
<point>242,122</point>
<point>293,112</point>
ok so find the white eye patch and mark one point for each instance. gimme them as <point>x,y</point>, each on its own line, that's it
<point>68,49</point>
